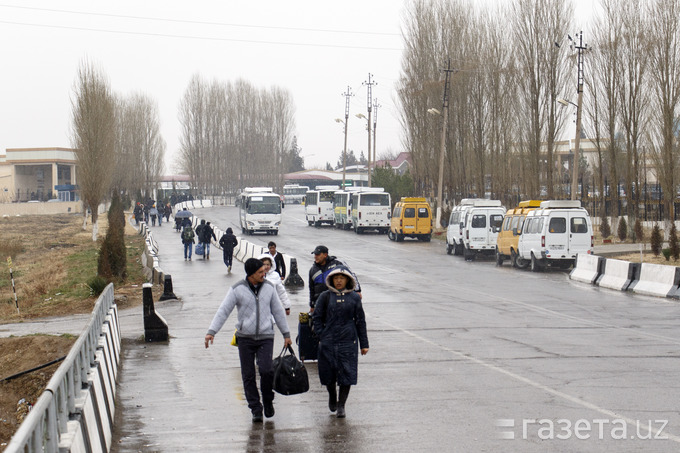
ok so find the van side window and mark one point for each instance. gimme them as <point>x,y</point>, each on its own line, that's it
<point>506,223</point>
<point>478,221</point>
<point>579,225</point>
<point>527,225</point>
<point>397,212</point>
<point>515,223</point>
<point>539,224</point>
<point>496,221</point>
<point>422,213</point>
<point>409,213</point>
<point>558,225</point>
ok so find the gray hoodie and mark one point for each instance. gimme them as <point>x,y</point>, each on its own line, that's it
<point>254,312</point>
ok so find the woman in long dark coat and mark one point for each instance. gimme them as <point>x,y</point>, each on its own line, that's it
<point>340,324</point>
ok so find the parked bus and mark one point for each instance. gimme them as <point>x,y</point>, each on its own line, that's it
<point>259,210</point>
<point>370,210</point>
<point>319,205</point>
<point>294,193</point>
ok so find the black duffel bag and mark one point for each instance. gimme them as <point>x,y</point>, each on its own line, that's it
<point>290,375</point>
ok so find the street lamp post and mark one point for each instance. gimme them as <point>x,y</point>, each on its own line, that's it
<point>368,127</point>
<point>344,152</point>
<point>579,107</point>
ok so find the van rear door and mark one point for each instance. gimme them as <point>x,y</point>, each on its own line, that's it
<point>557,235</point>
<point>579,233</point>
<point>423,219</point>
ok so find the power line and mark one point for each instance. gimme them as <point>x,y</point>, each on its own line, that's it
<point>167,35</point>
<point>194,22</point>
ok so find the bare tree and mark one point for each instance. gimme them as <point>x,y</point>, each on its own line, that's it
<point>665,64</point>
<point>93,136</point>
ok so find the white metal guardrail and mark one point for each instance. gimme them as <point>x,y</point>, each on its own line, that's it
<point>48,422</point>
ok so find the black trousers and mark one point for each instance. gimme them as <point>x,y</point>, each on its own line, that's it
<point>251,352</point>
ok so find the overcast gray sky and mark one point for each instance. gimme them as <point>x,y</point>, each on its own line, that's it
<point>314,49</point>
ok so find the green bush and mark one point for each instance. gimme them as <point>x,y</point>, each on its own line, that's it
<point>673,243</point>
<point>666,254</point>
<point>605,228</point>
<point>655,240</point>
<point>97,285</point>
<point>113,254</point>
<point>639,231</point>
<point>622,232</point>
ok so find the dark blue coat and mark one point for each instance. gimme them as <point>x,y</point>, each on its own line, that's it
<point>340,324</point>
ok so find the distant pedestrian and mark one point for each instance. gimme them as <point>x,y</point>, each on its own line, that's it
<point>272,276</point>
<point>167,212</point>
<point>340,324</point>
<point>138,212</point>
<point>153,212</point>
<point>279,263</point>
<point>257,303</point>
<point>205,235</point>
<point>188,241</point>
<point>228,241</point>
<point>323,265</point>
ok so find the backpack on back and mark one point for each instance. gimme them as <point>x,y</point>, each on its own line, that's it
<point>188,234</point>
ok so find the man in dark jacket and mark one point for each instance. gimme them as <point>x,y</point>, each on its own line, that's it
<point>279,263</point>
<point>323,265</point>
<point>228,241</point>
<point>205,235</point>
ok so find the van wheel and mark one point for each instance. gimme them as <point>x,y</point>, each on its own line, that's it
<point>427,238</point>
<point>467,254</point>
<point>317,224</point>
<point>449,248</point>
<point>499,258</point>
<point>457,250</point>
<point>310,223</point>
<point>357,230</point>
<point>400,237</point>
<point>535,264</point>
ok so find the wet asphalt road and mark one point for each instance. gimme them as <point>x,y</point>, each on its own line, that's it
<point>455,347</point>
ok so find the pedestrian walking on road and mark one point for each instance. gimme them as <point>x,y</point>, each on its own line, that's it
<point>323,265</point>
<point>279,263</point>
<point>273,276</point>
<point>256,303</point>
<point>228,241</point>
<point>207,233</point>
<point>340,324</point>
<point>188,241</point>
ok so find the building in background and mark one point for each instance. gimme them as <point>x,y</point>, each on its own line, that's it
<point>38,174</point>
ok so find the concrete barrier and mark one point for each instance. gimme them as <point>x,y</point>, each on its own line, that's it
<point>617,274</point>
<point>656,280</point>
<point>587,268</point>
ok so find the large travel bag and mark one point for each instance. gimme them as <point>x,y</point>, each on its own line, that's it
<point>307,342</point>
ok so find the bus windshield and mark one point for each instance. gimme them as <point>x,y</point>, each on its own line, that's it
<point>375,199</point>
<point>263,205</point>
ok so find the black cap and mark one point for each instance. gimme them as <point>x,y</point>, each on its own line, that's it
<point>252,265</point>
<point>320,249</point>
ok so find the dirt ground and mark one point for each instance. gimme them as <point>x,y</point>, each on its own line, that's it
<point>52,262</point>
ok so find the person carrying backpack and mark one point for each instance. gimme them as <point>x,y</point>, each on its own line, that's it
<point>204,237</point>
<point>188,241</point>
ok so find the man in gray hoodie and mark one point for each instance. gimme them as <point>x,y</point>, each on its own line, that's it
<point>256,302</point>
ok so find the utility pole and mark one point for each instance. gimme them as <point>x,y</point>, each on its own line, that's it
<point>442,151</point>
<point>369,84</point>
<point>375,126</point>
<point>579,107</point>
<point>348,94</point>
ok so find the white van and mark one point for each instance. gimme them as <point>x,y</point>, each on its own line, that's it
<point>319,205</point>
<point>259,210</point>
<point>370,210</point>
<point>555,233</point>
<point>454,231</point>
<point>480,227</point>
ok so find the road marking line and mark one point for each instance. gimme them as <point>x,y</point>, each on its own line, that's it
<point>532,383</point>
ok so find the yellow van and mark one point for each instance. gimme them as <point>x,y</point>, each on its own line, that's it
<point>508,238</point>
<point>412,217</point>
